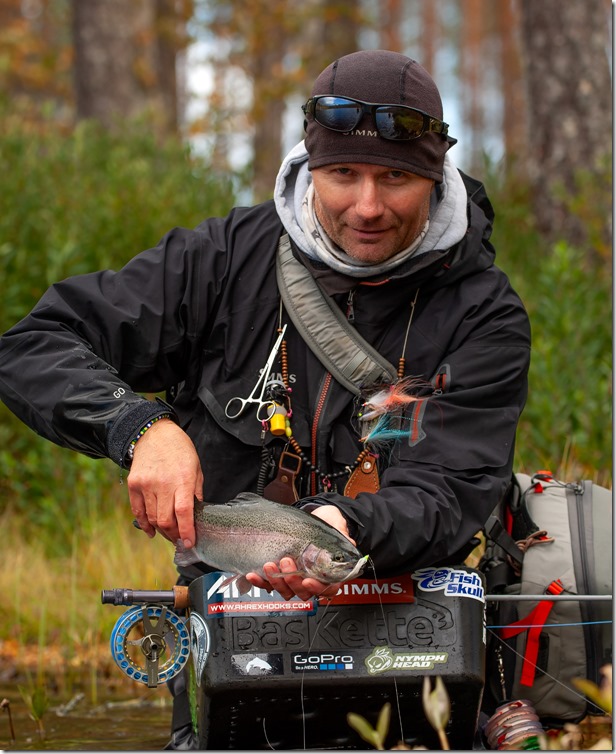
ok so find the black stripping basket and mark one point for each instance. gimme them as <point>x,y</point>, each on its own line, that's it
<point>272,674</point>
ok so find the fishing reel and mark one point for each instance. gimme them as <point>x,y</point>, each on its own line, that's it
<point>149,642</point>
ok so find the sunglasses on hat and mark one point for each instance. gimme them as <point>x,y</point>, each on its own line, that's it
<point>395,122</point>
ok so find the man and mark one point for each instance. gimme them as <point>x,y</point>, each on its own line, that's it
<point>398,240</point>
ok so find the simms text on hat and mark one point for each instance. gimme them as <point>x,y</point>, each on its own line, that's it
<point>383,77</point>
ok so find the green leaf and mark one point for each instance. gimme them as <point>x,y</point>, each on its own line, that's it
<point>436,704</point>
<point>382,724</point>
<point>363,727</point>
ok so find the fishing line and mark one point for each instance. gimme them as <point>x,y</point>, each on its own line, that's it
<point>301,688</point>
<point>545,672</point>
<point>267,741</point>
<point>378,594</point>
<point>561,625</point>
<point>310,645</point>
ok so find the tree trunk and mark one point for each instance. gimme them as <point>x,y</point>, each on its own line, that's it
<point>514,121</point>
<point>429,36</point>
<point>334,27</point>
<point>125,60</point>
<point>472,67</point>
<point>328,31</point>
<point>268,109</point>
<point>570,117</point>
<point>391,25</point>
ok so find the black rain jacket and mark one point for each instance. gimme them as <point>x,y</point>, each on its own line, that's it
<point>198,315</point>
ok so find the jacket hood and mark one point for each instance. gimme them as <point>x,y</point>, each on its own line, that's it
<point>459,208</point>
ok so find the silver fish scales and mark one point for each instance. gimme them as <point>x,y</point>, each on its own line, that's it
<point>242,535</point>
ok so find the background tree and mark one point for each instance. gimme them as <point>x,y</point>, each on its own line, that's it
<point>264,75</point>
<point>36,57</point>
<point>472,65</point>
<point>570,116</point>
<point>514,112</point>
<point>391,25</point>
<point>125,59</point>
<point>429,35</point>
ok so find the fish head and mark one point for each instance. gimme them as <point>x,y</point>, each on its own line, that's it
<point>330,565</point>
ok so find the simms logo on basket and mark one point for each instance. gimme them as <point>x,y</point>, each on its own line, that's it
<point>397,589</point>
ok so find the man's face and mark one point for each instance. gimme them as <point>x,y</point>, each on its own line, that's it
<point>372,212</point>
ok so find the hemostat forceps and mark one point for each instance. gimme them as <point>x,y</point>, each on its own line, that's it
<point>236,405</point>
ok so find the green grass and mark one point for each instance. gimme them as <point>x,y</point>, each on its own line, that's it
<point>62,592</point>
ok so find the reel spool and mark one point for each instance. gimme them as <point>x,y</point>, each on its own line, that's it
<point>150,652</point>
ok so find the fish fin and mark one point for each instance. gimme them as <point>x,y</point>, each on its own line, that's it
<point>226,583</point>
<point>246,497</point>
<point>185,556</point>
<point>250,498</point>
<point>242,583</point>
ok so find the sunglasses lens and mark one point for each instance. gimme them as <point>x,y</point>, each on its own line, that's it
<point>399,123</point>
<point>396,122</point>
<point>337,113</point>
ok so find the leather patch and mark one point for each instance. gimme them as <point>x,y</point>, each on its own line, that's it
<point>282,489</point>
<point>365,478</point>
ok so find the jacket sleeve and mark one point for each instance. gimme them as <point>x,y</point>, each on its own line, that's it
<point>454,460</point>
<point>74,368</point>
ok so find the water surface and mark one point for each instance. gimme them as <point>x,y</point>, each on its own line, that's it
<point>121,723</point>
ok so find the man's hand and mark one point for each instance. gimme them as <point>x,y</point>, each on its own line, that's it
<point>300,586</point>
<point>164,478</point>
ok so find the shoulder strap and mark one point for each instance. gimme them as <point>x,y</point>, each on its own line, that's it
<point>352,361</point>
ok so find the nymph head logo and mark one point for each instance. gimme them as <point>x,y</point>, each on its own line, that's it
<point>380,660</point>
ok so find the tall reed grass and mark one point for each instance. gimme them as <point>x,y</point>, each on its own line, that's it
<point>63,591</point>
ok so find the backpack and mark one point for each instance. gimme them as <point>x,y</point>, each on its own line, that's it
<point>548,537</point>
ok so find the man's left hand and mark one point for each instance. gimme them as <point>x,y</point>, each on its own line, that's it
<point>291,585</point>
<point>297,585</point>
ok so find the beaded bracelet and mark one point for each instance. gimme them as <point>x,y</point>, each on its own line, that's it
<point>131,448</point>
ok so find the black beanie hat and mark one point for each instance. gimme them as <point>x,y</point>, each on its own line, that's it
<point>389,78</point>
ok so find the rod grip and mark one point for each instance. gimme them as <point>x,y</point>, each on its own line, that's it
<point>178,596</point>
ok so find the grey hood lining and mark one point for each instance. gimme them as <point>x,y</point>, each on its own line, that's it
<point>448,218</point>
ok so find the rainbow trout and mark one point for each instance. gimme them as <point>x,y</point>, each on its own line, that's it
<point>242,535</point>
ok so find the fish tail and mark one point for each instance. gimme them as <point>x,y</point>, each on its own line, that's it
<point>185,556</point>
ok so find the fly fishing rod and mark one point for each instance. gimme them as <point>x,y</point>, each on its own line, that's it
<point>550,597</point>
<point>178,597</point>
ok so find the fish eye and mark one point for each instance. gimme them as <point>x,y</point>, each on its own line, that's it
<point>339,558</point>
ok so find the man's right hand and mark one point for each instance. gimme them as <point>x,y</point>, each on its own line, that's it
<point>165,477</point>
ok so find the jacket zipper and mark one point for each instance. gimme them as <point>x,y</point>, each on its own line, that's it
<point>315,426</point>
